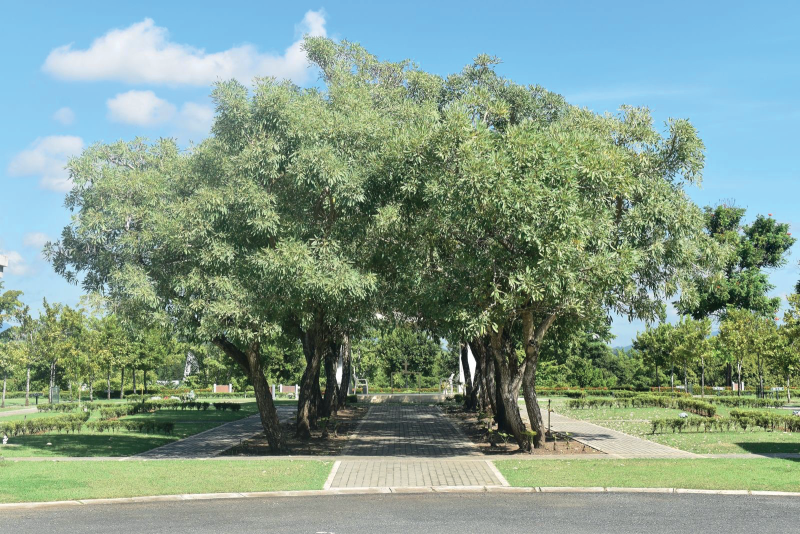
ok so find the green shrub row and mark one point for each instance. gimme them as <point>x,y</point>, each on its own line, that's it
<point>747,402</point>
<point>71,407</point>
<point>143,426</point>
<point>706,424</point>
<point>766,420</point>
<point>640,401</point>
<point>695,406</point>
<point>119,410</point>
<point>67,422</point>
<point>646,401</point>
<point>195,405</point>
<point>222,406</point>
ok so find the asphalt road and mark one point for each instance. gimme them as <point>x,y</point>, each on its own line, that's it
<point>437,513</point>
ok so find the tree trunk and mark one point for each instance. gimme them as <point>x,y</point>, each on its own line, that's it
<point>344,386</point>
<point>469,397</point>
<point>144,382</point>
<point>108,383</point>
<point>487,376</point>
<point>508,384</point>
<point>329,403</point>
<point>532,336</point>
<point>52,380</point>
<point>91,388</point>
<point>134,380</point>
<point>788,390</point>
<point>122,383</point>
<point>729,374</point>
<point>27,384</point>
<point>703,378</point>
<point>313,347</point>
<point>3,402</point>
<point>478,390</point>
<point>672,377</point>
<point>250,361</point>
<point>739,382</point>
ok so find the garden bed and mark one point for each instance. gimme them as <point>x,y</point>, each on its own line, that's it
<point>476,431</point>
<point>347,420</point>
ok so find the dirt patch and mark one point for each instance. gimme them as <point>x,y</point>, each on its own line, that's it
<point>477,432</point>
<point>345,423</point>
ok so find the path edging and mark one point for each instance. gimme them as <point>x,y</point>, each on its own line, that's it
<point>386,490</point>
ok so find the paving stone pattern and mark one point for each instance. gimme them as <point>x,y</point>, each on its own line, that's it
<point>413,473</point>
<point>408,430</point>
<point>610,441</point>
<point>214,441</point>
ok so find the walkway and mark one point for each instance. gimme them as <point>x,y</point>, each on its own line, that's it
<point>21,411</point>
<point>610,441</point>
<point>214,441</point>
<point>421,443</point>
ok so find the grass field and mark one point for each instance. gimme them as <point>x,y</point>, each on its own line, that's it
<point>53,481</point>
<point>705,473</point>
<point>85,443</point>
<point>636,422</point>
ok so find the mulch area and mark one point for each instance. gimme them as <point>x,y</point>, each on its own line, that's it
<point>476,431</point>
<point>347,420</point>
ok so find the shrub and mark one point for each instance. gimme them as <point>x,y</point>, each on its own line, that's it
<point>352,398</point>
<point>232,406</point>
<point>68,422</point>
<point>575,394</point>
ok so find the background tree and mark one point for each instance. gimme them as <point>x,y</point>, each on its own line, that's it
<point>787,361</point>
<point>657,348</point>
<point>759,246</point>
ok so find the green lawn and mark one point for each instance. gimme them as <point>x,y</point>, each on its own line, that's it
<point>85,443</point>
<point>636,422</point>
<point>53,481</point>
<point>705,473</point>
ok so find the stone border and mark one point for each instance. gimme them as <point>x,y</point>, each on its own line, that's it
<point>385,490</point>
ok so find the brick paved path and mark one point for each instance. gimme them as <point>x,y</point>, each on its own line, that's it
<point>408,430</point>
<point>417,445</point>
<point>414,473</point>
<point>216,440</point>
<point>610,441</point>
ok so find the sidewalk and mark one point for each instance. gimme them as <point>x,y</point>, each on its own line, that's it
<point>214,441</point>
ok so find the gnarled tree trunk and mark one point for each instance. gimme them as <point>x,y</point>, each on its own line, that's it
<point>347,359</point>
<point>313,349</point>
<point>532,336</point>
<point>469,396</point>
<point>508,382</point>
<point>329,402</point>
<point>250,361</point>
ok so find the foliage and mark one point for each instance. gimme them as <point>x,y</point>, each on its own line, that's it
<point>758,246</point>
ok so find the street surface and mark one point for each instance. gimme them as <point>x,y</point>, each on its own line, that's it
<point>440,513</point>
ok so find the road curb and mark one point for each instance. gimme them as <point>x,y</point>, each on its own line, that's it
<point>384,491</point>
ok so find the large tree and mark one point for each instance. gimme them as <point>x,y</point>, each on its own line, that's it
<point>518,209</point>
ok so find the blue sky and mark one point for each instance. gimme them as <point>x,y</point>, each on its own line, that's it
<point>76,73</point>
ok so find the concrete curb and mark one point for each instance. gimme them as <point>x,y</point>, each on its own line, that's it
<point>384,491</point>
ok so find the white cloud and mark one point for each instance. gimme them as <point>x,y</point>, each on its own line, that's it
<point>65,116</point>
<point>46,158</point>
<point>16,263</point>
<point>35,239</point>
<point>142,108</point>
<point>195,118</point>
<point>143,53</point>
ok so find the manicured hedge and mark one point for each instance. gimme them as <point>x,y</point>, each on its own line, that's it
<point>646,401</point>
<point>67,422</point>
<point>766,420</point>
<point>196,405</point>
<point>222,406</point>
<point>132,425</point>
<point>71,407</point>
<point>747,402</point>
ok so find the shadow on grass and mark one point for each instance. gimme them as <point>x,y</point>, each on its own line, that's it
<point>767,447</point>
<point>115,444</point>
